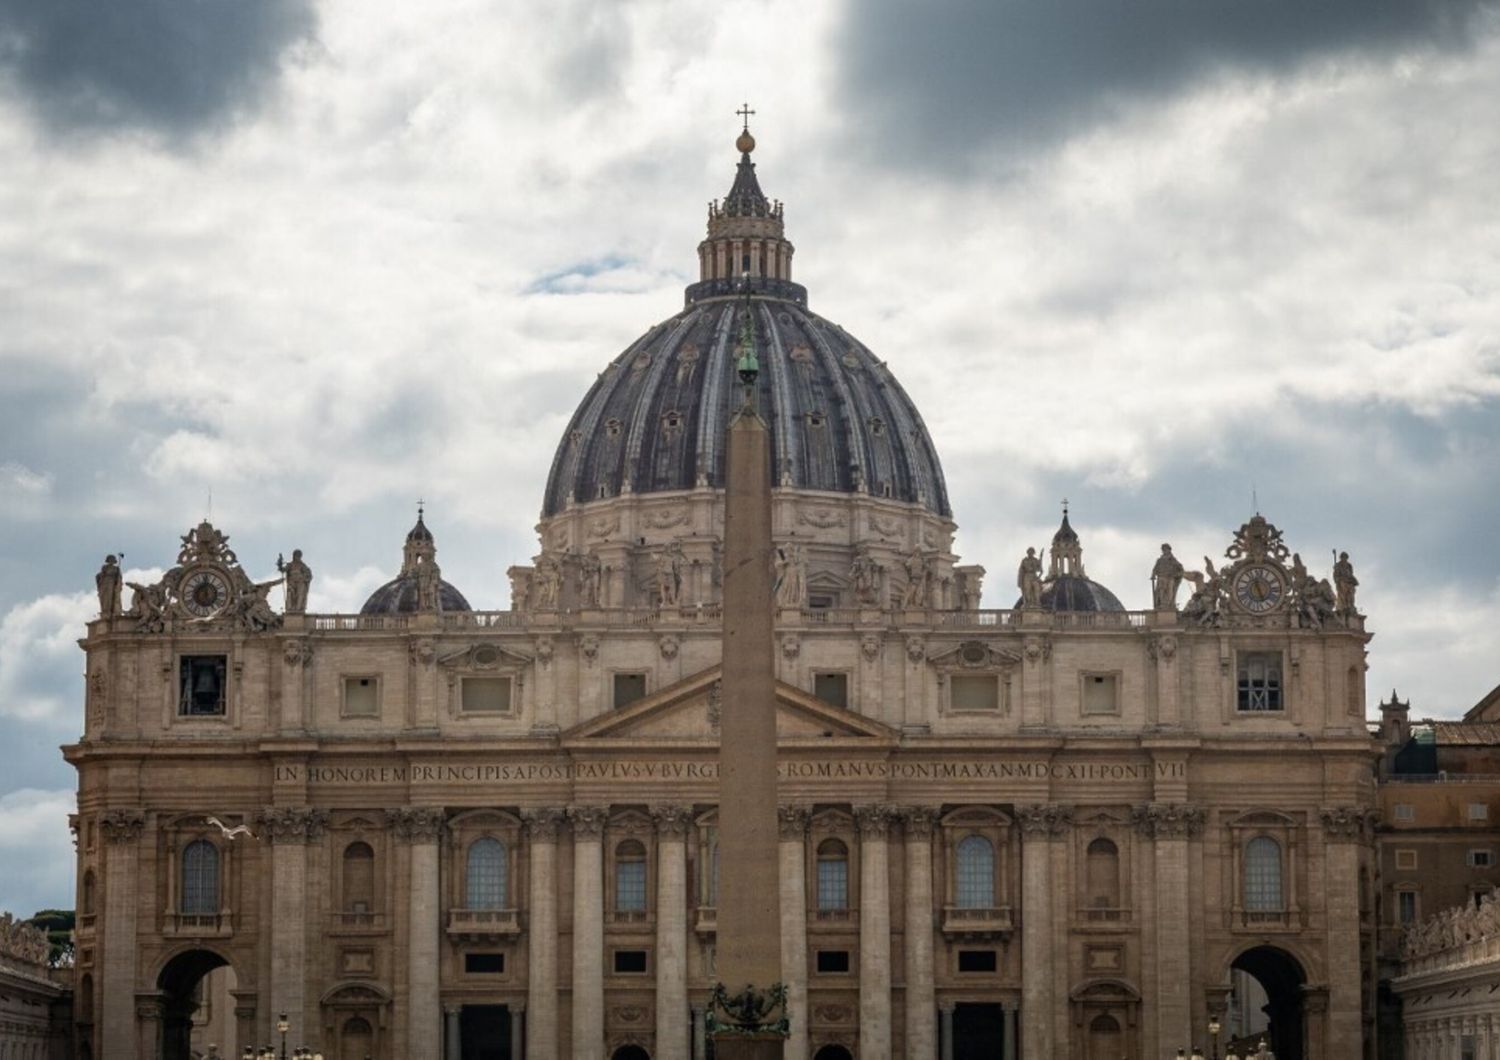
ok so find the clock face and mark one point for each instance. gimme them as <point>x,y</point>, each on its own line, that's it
<point>205,592</point>
<point>1259,589</point>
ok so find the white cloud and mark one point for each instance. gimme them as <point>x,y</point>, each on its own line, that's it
<point>40,661</point>
<point>36,850</point>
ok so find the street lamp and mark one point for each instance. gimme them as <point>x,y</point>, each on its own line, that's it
<point>1213,1030</point>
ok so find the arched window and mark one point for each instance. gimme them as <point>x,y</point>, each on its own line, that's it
<point>485,880</point>
<point>359,878</point>
<point>86,894</point>
<point>630,877</point>
<point>833,875</point>
<point>200,877</point>
<point>1102,864</point>
<point>713,873</point>
<point>1263,875</point>
<point>976,873</point>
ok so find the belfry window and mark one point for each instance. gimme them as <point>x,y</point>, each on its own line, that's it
<point>485,880</point>
<point>975,875</point>
<point>630,877</point>
<point>201,684</point>
<point>200,878</point>
<point>1259,683</point>
<point>833,875</point>
<point>1263,893</point>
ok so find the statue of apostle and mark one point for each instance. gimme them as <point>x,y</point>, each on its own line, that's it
<point>1029,579</point>
<point>1166,579</point>
<point>109,583</point>
<point>298,577</point>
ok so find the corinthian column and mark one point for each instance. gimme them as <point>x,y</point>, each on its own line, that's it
<point>289,828</point>
<point>588,931</point>
<point>421,828</point>
<point>921,999</point>
<point>122,833</point>
<point>792,854</point>
<point>671,931</point>
<point>874,931</point>
<point>1040,826</point>
<point>541,936</point>
<point>1344,831</point>
<point>1169,825</point>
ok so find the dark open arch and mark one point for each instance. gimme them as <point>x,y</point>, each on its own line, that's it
<point>1283,978</point>
<point>630,1052</point>
<point>833,1052</point>
<point>177,982</point>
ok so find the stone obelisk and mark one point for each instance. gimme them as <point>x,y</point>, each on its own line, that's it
<point>749,909</point>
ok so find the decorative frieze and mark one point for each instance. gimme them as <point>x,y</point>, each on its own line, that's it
<point>792,821</point>
<point>1167,820</point>
<point>672,821</point>
<point>669,644</point>
<point>1048,820</point>
<point>544,824</point>
<point>417,824</point>
<point>291,824</point>
<point>588,821</point>
<point>1346,824</point>
<point>122,826</point>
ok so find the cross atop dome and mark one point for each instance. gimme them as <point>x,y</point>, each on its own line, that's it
<point>746,237</point>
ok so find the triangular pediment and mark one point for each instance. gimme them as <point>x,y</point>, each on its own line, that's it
<point>687,712</point>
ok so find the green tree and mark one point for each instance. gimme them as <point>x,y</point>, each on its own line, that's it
<point>58,924</point>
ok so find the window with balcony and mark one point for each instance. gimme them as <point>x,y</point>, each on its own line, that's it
<point>200,879</point>
<point>975,874</point>
<point>630,877</point>
<point>201,685</point>
<point>1263,891</point>
<point>359,878</point>
<point>833,875</point>
<point>485,882</point>
<point>1102,874</point>
<point>1259,681</point>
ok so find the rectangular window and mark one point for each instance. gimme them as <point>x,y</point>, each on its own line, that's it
<point>833,883</point>
<point>1259,682</point>
<point>832,688</point>
<point>628,689</point>
<point>361,697</point>
<point>819,601</point>
<point>630,962</point>
<point>1406,860</point>
<point>202,684</point>
<point>1479,811</point>
<point>1405,811</point>
<point>974,692</point>
<point>833,962</point>
<point>1406,906</point>
<point>630,886</point>
<point>486,695</point>
<point>976,960</point>
<point>484,963</point>
<point>1101,694</point>
<point>1480,859</point>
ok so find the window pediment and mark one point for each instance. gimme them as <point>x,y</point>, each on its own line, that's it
<point>971,656</point>
<point>483,658</point>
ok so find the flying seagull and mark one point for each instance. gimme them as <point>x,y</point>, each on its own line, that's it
<point>231,833</point>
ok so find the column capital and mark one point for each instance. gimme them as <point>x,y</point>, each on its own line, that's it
<point>919,820</point>
<point>1044,820</point>
<point>291,824</point>
<point>791,821</point>
<point>874,819</point>
<point>1168,820</point>
<point>148,1006</point>
<point>418,824</point>
<point>672,820</point>
<point>122,826</point>
<point>588,821</point>
<point>1347,824</point>
<point>947,1007</point>
<point>543,824</point>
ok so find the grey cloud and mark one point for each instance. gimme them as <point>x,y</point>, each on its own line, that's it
<point>941,81</point>
<point>171,66</point>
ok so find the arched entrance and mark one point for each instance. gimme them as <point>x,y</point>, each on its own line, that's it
<point>833,1052</point>
<point>1106,1038</point>
<point>630,1052</point>
<point>1281,977</point>
<point>191,991</point>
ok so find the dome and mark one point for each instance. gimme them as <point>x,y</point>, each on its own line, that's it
<point>1067,587</point>
<point>654,420</point>
<point>403,593</point>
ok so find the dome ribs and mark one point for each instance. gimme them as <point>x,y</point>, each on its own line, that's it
<point>854,456</point>
<point>785,455</point>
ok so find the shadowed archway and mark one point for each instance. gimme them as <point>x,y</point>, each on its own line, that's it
<point>179,983</point>
<point>1282,978</point>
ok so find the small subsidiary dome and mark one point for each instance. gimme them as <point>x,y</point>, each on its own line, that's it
<point>404,594</point>
<point>1067,587</point>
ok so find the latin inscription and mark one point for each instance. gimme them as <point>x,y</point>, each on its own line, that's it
<point>530,772</point>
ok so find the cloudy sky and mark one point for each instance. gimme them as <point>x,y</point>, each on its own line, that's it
<point>314,260</point>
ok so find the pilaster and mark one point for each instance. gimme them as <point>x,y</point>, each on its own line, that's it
<point>122,833</point>
<point>874,930</point>
<point>289,829</point>
<point>672,823</point>
<point>1345,829</point>
<point>921,999</point>
<point>542,827</point>
<point>1169,826</point>
<point>588,931</point>
<point>792,854</point>
<point>1041,825</point>
<point>421,828</point>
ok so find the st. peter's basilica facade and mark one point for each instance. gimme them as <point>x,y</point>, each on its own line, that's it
<point>1060,829</point>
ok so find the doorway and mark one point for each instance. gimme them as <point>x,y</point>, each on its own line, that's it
<point>484,1031</point>
<point>978,1031</point>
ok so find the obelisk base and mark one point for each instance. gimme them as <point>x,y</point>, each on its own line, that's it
<point>748,1047</point>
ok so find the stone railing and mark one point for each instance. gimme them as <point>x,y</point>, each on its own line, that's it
<point>1103,914</point>
<point>350,623</point>
<point>483,923</point>
<point>976,923</point>
<point>199,925</point>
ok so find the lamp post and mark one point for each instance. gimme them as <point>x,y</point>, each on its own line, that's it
<point>268,1052</point>
<point>1213,1032</point>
